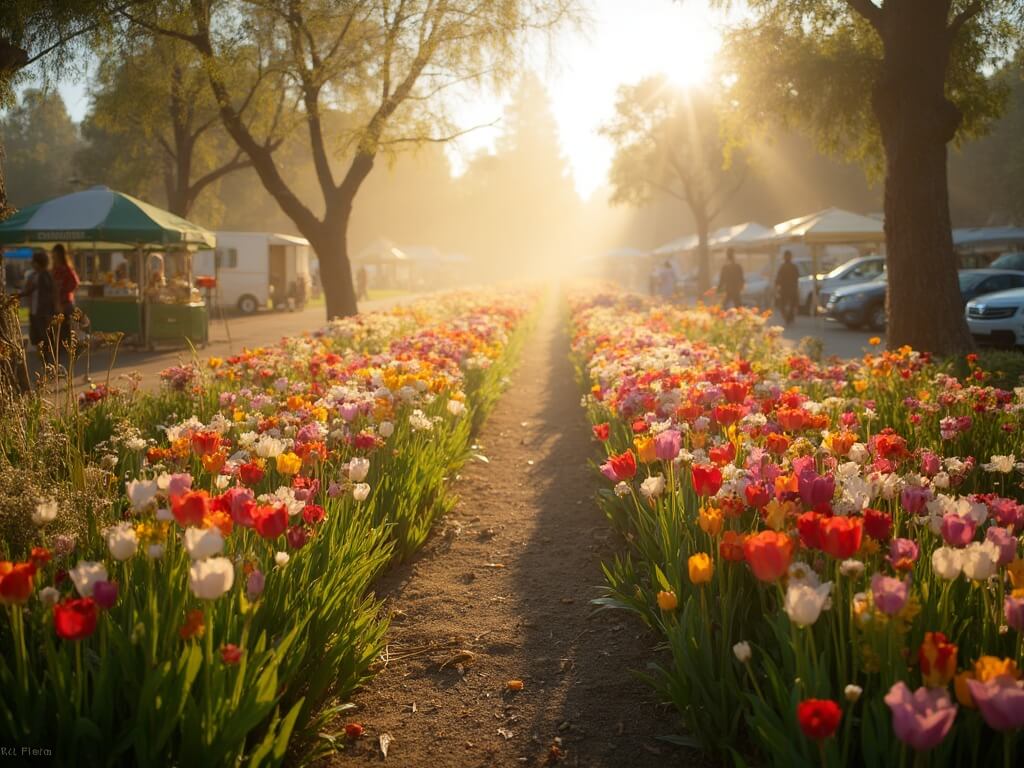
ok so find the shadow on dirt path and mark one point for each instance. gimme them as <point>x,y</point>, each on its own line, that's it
<point>501,592</point>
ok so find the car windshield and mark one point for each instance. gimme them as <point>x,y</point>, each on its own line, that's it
<point>1009,261</point>
<point>838,271</point>
<point>970,279</point>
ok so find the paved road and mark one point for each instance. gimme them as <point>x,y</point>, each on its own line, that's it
<point>837,339</point>
<point>225,340</point>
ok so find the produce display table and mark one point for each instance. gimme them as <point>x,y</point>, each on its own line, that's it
<point>113,315</point>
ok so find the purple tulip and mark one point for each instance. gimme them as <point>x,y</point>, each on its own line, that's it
<point>105,593</point>
<point>254,585</point>
<point>816,489</point>
<point>890,594</point>
<point>913,498</point>
<point>1001,701</point>
<point>903,553</point>
<point>1008,513</point>
<point>348,411</point>
<point>957,531</point>
<point>1013,609</point>
<point>923,718</point>
<point>334,490</point>
<point>667,444</point>
<point>1005,541</point>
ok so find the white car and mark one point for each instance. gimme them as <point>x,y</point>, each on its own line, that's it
<point>860,270</point>
<point>998,318</point>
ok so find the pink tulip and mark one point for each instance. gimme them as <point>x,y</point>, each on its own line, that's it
<point>923,718</point>
<point>1001,701</point>
<point>890,594</point>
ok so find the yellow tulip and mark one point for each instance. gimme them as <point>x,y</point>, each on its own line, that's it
<point>667,601</point>
<point>701,568</point>
<point>288,463</point>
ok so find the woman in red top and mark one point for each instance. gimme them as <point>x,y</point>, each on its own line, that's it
<point>65,281</point>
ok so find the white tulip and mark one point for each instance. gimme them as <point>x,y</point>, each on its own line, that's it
<point>358,468</point>
<point>201,543</point>
<point>386,429</point>
<point>122,541</point>
<point>211,578</point>
<point>141,493</point>
<point>742,652</point>
<point>155,551</point>
<point>852,692</point>
<point>45,512</point>
<point>456,407</point>
<point>49,596</point>
<point>282,558</point>
<point>85,575</point>
<point>360,491</point>
<point>653,487</point>
<point>804,603</point>
<point>947,562</point>
<point>980,559</point>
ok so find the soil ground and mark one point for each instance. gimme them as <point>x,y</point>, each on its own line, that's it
<point>502,592</point>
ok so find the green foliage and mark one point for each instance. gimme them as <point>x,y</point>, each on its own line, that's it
<point>40,142</point>
<point>812,65</point>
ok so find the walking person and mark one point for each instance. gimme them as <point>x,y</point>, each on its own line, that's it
<point>731,281</point>
<point>40,290</point>
<point>787,288</point>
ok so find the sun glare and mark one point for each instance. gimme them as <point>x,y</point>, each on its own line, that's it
<point>684,54</point>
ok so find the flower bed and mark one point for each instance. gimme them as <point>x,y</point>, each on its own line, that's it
<point>830,550</point>
<point>213,606</point>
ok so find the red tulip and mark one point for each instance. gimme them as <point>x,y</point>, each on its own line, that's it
<point>16,582</point>
<point>620,467</point>
<point>250,473</point>
<point>818,718</point>
<point>877,525</point>
<point>707,479</point>
<point>601,431</point>
<point>723,454</point>
<point>809,527</point>
<point>205,443</point>
<point>230,653</point>
<point>270,522</point>
<point>75,619</point>
<point>841,536</point>
<point>190,508</point>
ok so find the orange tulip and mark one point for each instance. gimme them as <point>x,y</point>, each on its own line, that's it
<point>769,554</point>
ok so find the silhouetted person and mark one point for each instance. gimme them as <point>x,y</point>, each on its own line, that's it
<point>731,281</point>
<point>362,284</point>
<point>787,287</point>
<point>66,282</point>
<point>41,293</point>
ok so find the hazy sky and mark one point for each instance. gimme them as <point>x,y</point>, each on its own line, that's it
<point>624,41</point>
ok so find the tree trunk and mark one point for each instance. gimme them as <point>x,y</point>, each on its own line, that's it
<point>12,350</point>
<point>331,248</point>
<point>917,121</point>
<point>703,253</point>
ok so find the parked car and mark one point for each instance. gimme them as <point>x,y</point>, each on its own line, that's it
<point>864,305</point>
<point>863,269</point>
<point>757,290</point>
<point>1009,261</point>
<point>998,318</point>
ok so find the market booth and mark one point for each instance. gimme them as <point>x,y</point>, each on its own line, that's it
<point>134,260</point>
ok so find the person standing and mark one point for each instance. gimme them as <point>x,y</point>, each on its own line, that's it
<point>65,281</point>
<point>362,284</point>
<point>787,287</point>
<point>731,281</point>
<point>41,292</point>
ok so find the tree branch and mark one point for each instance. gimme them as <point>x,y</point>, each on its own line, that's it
<point>872,13</point>
<point>439,139</point>
<point>968,13</point>
<point>237,163</point>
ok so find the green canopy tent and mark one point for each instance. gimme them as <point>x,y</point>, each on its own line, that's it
<point>103,219</point>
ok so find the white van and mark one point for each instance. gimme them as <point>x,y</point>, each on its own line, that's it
<point>256,270</point>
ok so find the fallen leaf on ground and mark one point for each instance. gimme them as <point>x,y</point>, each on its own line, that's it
<point>514,685</point>
<point>481,457</point>
<point>461,658</point>
<point>494,565</point>
<point>505,733</point>
<point>385,744</point>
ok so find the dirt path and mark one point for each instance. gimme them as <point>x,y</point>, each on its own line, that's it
<point>509,577</point>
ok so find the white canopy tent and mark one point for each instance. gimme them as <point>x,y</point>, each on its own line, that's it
<point>832,226</point>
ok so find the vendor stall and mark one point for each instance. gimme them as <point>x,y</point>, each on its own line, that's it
<point>149,295</point>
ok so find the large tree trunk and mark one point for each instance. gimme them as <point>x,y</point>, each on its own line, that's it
<point>331,248</point>
<point>917,121</point>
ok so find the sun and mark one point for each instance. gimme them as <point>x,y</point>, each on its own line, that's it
<point>683,47</point>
